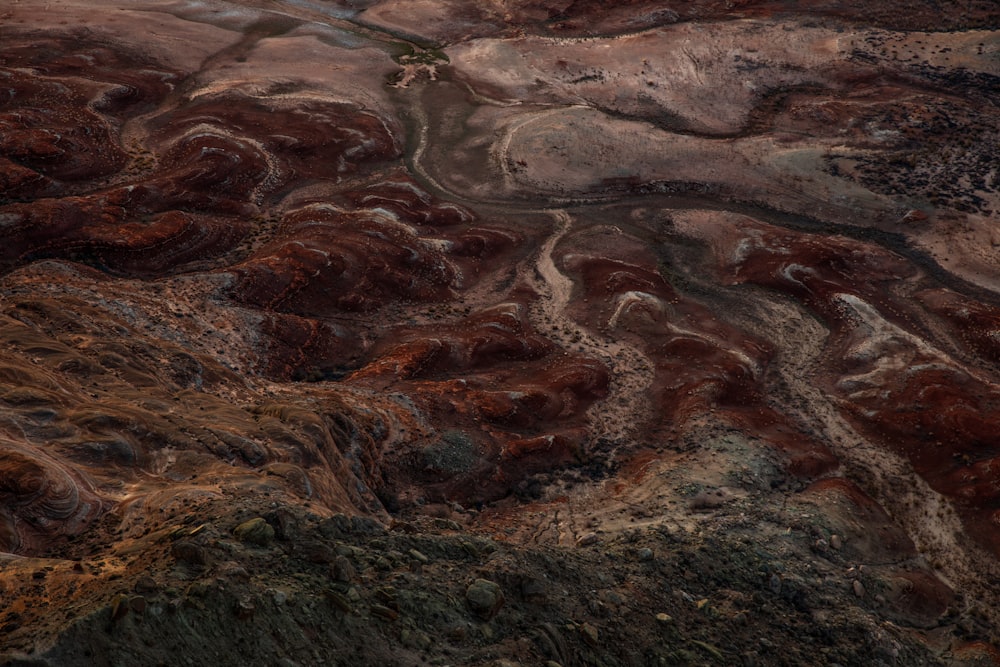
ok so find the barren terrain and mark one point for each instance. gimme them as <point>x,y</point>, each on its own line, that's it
<point>524,332</point>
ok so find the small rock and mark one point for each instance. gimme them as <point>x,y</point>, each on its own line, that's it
<point>245,607</point>
<point>914,216</point>
<point>403,527</point>
<point>596,607</point>
<point>664,619</point>
<point>419,557</point>
<point>338,600</point>
<point>836,542</point>
<point>138,604</point>
<point>611,597</point>
<point>645,554</point>
<point>384,612</point>
<point>446,524</point>
<point>146,585</point>
<point>710,499</point>
<point>336,526</point>
<point>316,552</point>
<point>343,570</point>
<point>119,607</point>
<point>590,635</point>
<point>418,639</point>
<point>363,525</point>
<point>710,649</point>
<point>197,589</point>
<point>233,571</point>
<point>533,589</point>
<point>821,546</point>
<point>587,539</point>
<point>775,584</point>
<point>286,526</point>
<point>387,594</point>
<point>255,531</point>
<point>859,588</point>
<point>188,552</point>
<point>484,598</point>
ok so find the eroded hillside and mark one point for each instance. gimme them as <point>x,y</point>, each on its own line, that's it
<point>442,332</point>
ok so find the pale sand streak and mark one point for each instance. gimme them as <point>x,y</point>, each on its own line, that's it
<point>618,417</point>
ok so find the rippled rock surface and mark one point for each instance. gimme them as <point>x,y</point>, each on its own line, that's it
<point>314,314</point>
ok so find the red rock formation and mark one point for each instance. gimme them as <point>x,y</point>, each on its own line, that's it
<point>329,260</point>
<point>517,400</point>
<point>973,324</point>
<point>915,398</point>
<point>702,364</point>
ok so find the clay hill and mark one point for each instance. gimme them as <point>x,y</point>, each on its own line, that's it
<point>522,332</point>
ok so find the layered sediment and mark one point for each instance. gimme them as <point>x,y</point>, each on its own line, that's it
<point>525,331</point>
